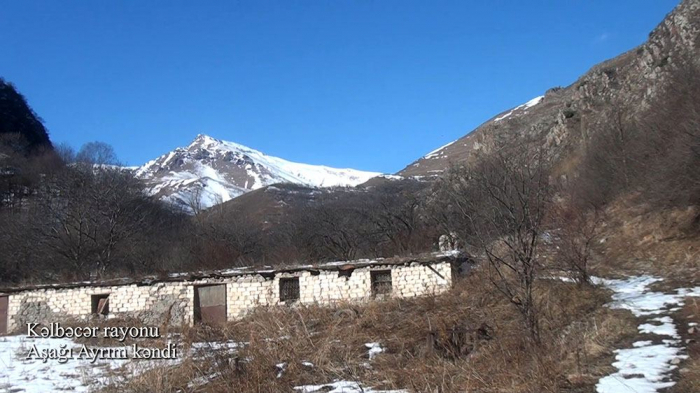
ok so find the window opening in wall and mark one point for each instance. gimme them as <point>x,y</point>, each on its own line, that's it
<point>381,282</point>
<point>100,304</point>
<point>289,289</point>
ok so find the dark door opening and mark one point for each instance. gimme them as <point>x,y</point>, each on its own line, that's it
<point>210,304</point>
<point>100,304</point>
<point>3,315</point>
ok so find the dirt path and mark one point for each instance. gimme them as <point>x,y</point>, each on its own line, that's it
<point>647,366</point>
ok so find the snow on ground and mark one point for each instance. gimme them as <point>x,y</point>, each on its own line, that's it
<point>342,387</point>
<point>374,349</point>
<point>646,367</point>
<point>75,373</point>
<point>19,374</point>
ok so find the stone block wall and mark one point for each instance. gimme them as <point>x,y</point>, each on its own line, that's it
<point>331,286</point>
<point>246,293</point>
<point>421,280</point>
<point>151,303</point>
<point>174,301</point>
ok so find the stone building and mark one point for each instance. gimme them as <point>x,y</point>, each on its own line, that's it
<point>216,297</point>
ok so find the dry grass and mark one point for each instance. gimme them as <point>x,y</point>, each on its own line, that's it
<point>689,372</point>
<point>431,345</point>
<point>638,239</point>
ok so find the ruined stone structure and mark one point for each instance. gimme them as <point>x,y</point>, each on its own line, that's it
<point>222,296</point>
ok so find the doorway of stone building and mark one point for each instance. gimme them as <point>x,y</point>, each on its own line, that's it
<point>4,303</point>
<point>210,304</point>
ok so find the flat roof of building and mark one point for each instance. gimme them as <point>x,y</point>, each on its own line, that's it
<point>266,271</point>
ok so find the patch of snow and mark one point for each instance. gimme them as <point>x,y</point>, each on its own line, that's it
<point>665,328</point>
<point>646,367</point>
<point>524,106</point>
<point>434,153</point>
<point>392,177</point>
<point>449,253</point>
<point>281,368</point>
<point>532,102</point>
<point>342,387</point>
<point>642,369</point>
<point>18,373</point>
<point>374,350</point>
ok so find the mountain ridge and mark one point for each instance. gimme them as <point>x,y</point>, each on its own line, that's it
<point>560,121</point>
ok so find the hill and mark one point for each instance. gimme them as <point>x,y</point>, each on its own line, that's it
<point>18,119</point>
<point>561,121</point>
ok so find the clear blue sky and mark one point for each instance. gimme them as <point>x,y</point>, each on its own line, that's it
<point>371,85</point>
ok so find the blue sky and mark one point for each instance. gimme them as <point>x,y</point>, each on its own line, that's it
<point>370,85</point>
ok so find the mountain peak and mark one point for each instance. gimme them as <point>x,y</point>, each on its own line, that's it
<point>201,137</point>
<point>210,171</point>
<point>204,139</point>
<point>206,142</point>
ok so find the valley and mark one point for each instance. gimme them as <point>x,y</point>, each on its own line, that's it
<point>553,248</point>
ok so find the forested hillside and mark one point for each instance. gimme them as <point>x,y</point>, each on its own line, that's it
<point>18,119</point>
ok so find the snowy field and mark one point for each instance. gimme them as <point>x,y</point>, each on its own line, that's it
<point>19,374</point>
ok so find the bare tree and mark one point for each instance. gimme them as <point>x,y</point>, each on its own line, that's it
<point>85,218</point>
<point>578,225</point>
<point>194,200</point>
<point>501,202</point>
<point>394,210</point>
<point>97,153</point>
<point>334,228</point>
<point>671,137</point>
<point>22,172</point>
<point>221,240</point>
<point>66,153</point>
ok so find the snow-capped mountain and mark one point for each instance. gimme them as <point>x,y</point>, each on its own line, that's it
<point>211,171</point>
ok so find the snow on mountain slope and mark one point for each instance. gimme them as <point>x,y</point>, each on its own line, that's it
<point>210,171</point>
<point>526,105</point>
<point>439,159</point>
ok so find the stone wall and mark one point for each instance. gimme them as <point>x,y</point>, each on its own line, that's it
<point>150,303</point>
<point>174,301</point>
